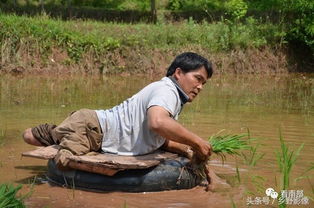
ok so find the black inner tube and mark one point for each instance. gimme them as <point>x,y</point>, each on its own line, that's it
<point>171,174</point>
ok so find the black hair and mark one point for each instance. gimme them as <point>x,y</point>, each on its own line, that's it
<point>190,61</point>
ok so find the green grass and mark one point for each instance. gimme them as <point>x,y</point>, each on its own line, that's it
<point>41,34</point>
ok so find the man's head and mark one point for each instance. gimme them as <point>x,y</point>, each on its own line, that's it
<point>191,72</point>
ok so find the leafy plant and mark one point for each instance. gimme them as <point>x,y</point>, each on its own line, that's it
<point>236,8</point>
<point>190,5</point>
<point>302,27</point>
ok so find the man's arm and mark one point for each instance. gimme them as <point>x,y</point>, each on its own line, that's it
<point>160,122</point>
<point>175,147</point>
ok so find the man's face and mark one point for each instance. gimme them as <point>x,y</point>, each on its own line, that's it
<point>191,82</point>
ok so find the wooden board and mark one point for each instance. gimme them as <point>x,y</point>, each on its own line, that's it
<point>103,163</point>
<point>45,153</point>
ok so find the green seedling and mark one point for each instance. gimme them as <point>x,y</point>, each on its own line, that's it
<point>286,159</point>
<point>228,144</point>
<point>8,197</point>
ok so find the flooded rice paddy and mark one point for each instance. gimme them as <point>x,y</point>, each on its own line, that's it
<point>264,105</point>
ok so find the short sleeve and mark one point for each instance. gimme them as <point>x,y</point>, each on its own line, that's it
<point>166,98</point>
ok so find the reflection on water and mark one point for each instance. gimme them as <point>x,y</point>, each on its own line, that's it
<point>263,104</point>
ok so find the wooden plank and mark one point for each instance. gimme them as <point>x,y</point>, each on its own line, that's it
<point>45,153</point>
<point>103,162</point>
<point>124,162</point>
<point>93,168</point>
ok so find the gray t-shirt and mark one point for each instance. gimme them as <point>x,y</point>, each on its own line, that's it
<point>125,126</point>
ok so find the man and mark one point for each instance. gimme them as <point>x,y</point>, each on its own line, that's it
<point>140,124</point>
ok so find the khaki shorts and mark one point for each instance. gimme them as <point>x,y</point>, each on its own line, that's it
<point>80,132</point>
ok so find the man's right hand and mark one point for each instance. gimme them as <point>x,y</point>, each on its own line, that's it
<point>160,122</point>
<point>203,150</point>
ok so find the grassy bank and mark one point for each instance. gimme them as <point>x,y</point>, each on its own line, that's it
<point>42,44</point>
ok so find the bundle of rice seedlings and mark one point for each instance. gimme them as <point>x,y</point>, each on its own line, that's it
<point>8,196</point>
<point>223,145</point>
<point>228,144</point>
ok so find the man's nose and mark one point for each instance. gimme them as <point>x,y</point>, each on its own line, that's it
<point>200,87</point>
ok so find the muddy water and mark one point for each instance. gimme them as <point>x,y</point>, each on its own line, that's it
<point>266,105</point>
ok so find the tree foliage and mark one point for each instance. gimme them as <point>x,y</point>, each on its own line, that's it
<point>302,27</point>
<point>108,4</point>
<point>296,17</point>
<point>236,8</point>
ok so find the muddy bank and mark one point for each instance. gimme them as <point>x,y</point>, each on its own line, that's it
<point>147,61</point>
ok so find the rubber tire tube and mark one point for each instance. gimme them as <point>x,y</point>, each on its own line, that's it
<point>172,174</point>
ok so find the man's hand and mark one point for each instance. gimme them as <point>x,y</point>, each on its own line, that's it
<point>160,121</point>
<point>203,150</point>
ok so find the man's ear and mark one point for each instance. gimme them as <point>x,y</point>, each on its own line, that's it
<point>177,73</point>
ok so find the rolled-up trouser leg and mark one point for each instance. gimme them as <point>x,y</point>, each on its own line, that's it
<point>42,133</point>
<point>79,133</point>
